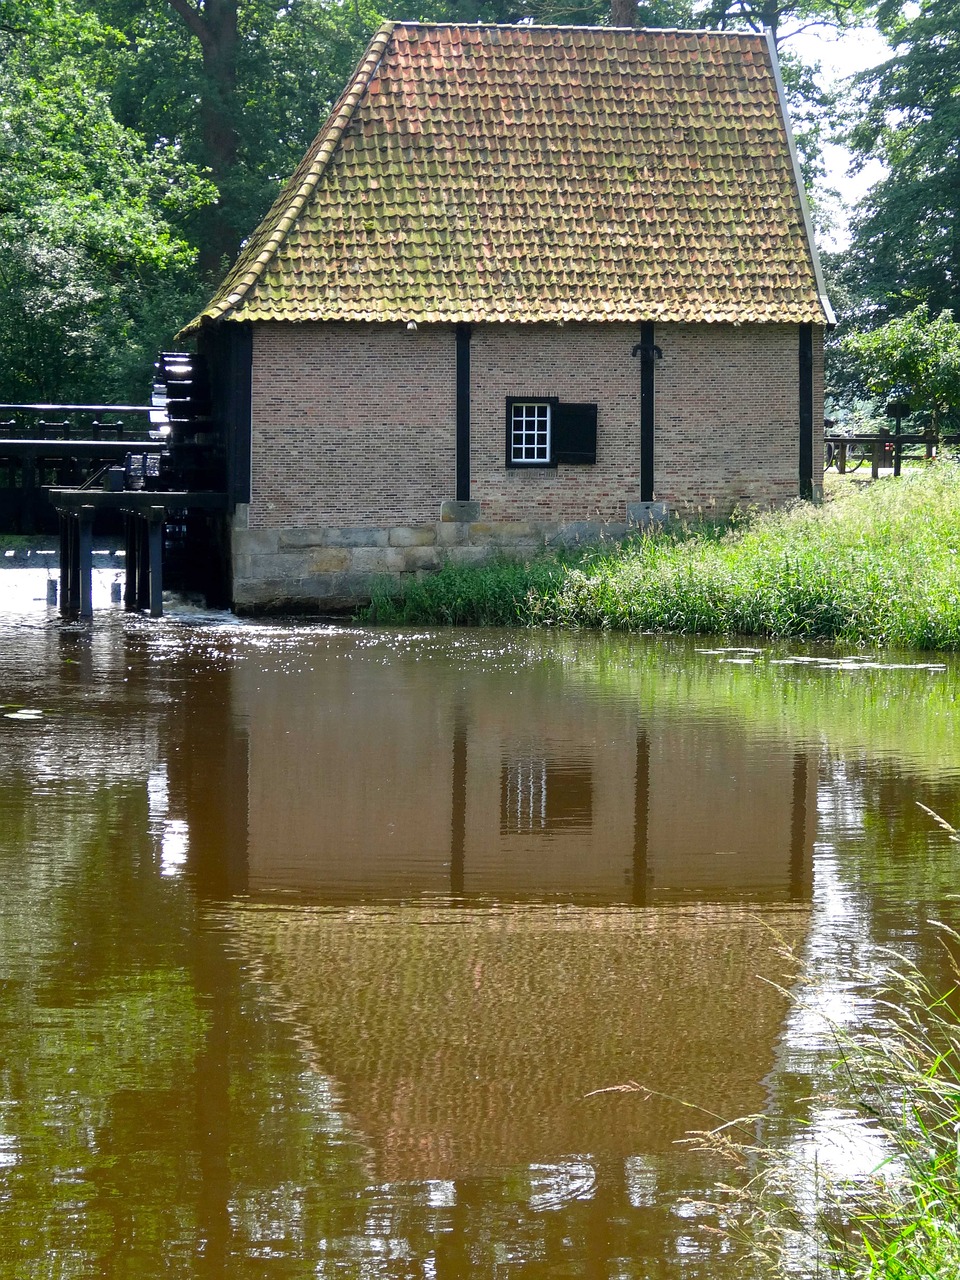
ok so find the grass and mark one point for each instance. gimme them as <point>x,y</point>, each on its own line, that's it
<point>902,1222</point>
<point>877,564</point>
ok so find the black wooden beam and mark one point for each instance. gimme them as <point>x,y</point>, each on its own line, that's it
<point>806,411</point>
<point>647,401</point>
<point>464,333</point>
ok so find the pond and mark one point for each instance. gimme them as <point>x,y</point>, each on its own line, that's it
<point>328,951</point>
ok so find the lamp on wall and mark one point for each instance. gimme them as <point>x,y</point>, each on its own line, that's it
<point>411,326</point>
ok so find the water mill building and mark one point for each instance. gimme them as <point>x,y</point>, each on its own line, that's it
<point>529,285</point>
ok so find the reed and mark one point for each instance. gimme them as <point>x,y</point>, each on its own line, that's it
<point>902,1221</point>
<point>878,564</point>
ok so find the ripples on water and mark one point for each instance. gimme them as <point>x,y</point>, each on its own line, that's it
<point>329,951</point>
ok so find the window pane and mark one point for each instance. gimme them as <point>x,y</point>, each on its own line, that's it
<point>530,432</point>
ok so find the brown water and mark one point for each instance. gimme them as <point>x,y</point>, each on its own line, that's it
<point>336,952</point>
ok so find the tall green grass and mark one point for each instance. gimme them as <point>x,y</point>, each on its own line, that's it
<point>902,1221</point>
<point>879,564</point>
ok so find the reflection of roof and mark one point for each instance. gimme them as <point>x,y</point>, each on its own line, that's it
<point>525,173</point>
<point>465,1041</point>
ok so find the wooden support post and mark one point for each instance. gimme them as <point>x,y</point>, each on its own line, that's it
<point>842,458</point>
<point>155,527</point>
<point>72,603</point>
<point>85,561</point>
<point>130,561</point>
<point>897,451</point>
<point>876,455</point>
<point>143,564</point>
<point>64,561</point>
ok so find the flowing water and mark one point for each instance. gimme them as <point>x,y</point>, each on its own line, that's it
<point>367,953</point>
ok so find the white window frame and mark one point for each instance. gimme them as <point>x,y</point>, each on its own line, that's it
<point>530,432</point>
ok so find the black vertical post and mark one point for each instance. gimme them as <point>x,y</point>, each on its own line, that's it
<point>641,821</point>
<point>143,564</point>
<point>130,561</point>
<point>647,391</point>
<point>64,562</point>
<point>463,412</point>
<point>806,411</point>
<point>71,604</point>
<point>155,527</point>
<point>458,806</point>
<point>84,561</point>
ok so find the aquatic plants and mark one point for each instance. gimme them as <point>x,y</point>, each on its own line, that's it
<point>877,564</point>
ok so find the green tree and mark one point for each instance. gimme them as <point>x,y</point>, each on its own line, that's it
<point>92,272</point>
<point>906,238</point>
<point>239,87</point>
<point>916,356</point>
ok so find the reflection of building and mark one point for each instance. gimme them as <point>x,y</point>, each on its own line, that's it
<point>485,1022</point>
<point>469,1041</point>
<point>406,776</point>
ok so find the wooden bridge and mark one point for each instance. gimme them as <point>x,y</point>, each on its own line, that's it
<point>140,469</point>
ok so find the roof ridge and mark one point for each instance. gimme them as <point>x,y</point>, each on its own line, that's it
<point>573,26</point>
<point>286,209</point>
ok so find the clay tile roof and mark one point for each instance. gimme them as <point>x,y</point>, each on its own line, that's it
<point>519,173</point>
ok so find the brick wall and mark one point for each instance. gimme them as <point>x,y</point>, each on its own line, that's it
<point>354,425</point>
<point>727,415</point>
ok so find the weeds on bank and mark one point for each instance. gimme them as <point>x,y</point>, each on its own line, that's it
<point>876,565</point>
<point>903,1221</point>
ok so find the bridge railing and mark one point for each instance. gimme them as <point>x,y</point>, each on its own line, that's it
<point>63,445</point>
<point>76,421</point>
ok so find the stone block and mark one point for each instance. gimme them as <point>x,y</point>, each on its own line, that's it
<point>260,594</point>
<point>467,555</point>
<point>573,533</point>
<point>378,560</point>
<point>506,532</point>
<point>321,587</point>
<point>647,515</point>
<point>330,560</point>
<point>416,558</point>
<point>356,586</point>
<point>285,566</point>
<point>459,512</point>
<point>256,541</point>
<point>356,536</point>
<point>300,539</point>
<point>424,536</point>
<point>451,534</point>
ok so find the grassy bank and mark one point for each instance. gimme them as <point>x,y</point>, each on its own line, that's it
<point>876,565</point>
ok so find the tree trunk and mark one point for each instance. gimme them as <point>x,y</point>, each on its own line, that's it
<point>623,13</point>
<point>215,27</point>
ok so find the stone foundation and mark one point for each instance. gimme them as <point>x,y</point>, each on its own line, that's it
<point>329,570</point>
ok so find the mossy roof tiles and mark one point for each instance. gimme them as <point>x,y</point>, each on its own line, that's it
<point>478,173</point>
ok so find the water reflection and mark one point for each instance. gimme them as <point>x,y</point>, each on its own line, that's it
<point>389,770</point>
<point>323,951</point>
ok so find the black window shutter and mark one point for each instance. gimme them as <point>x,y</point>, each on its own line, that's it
<point>575,433</point>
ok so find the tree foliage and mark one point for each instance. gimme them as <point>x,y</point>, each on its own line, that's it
<point>91,267</point>
<point>915,356</point>
<point>906,244</point>
<point>140,143</point>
